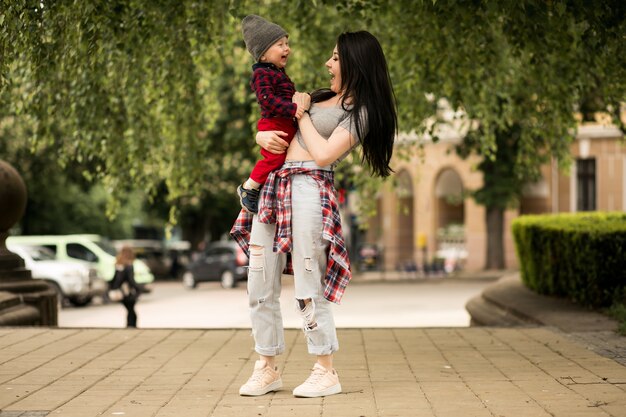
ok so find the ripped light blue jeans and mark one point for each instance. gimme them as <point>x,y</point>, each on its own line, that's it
<point>309,257</point>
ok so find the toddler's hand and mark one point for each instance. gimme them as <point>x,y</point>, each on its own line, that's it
<point>299,112</point>
<point>303,100</point>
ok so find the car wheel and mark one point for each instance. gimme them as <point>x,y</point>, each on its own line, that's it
<point>189,281</point>
<point>227,279</point>
<point>80,301</point>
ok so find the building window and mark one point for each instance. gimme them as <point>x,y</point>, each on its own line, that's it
<point>586,184</point>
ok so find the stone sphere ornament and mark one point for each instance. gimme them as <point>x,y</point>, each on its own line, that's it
<point>25,301</point>
<point>12,196</point>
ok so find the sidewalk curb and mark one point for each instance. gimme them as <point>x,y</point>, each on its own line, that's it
<point>400,276</point>
<point>518,305</point>
<point>546,310</point>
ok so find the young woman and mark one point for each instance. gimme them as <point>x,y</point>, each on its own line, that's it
<point>124,280</point>
<point>298,212</point>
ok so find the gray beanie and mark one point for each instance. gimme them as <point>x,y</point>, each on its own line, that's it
<point>259,34</point>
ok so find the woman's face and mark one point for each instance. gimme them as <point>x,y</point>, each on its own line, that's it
<point>334,69</point>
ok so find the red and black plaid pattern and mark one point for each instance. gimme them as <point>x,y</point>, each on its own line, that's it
<point>275,207</point>
<point>273,90</point>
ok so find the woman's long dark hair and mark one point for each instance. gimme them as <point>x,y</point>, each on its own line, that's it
<point>366,84</point>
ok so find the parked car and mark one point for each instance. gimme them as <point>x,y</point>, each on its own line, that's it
<point>74,281</point>
<point>166,260</point>
<point>151,252</point>
<point>89,248</point>
<point>223,261</point>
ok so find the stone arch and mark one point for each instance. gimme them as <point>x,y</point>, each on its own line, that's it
<point>535,198</point>
<point>405,246</point>
<point>450,217</point>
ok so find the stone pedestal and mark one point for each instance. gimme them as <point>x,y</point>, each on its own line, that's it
<point>23,300</point>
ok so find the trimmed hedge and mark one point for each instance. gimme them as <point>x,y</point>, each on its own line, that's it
<point>578,255</point>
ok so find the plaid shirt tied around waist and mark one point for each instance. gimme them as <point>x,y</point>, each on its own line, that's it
<point>275,207</point>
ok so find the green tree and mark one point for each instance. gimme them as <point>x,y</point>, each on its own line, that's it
<point>144,95</point>
<point>134,91</point>
<point>60,200</point>
<point>518,71</point>
<point>116,84</point>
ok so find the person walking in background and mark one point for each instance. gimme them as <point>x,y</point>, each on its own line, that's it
<point>268,44</point>
<point>124,282</point>
<point>298,211</point>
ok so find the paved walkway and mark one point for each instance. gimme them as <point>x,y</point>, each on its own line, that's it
<point>523,371</point>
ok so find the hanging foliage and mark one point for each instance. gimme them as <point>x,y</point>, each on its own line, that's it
<point>140,92</point>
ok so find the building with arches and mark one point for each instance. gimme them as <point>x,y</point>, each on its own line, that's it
<point>429,214</point>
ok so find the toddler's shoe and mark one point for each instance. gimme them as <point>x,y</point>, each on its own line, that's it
<point>249,199</point>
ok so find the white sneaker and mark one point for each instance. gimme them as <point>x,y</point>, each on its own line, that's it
<point>263,380</point>
<point>320,383</point>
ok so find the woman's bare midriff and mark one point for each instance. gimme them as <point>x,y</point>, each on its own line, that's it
<point>295,152</point>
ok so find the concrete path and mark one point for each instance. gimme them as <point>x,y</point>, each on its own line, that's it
<point>518,372</point>
<point>421,303</point>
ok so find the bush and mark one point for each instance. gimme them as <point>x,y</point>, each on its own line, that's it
<point>578,255</point>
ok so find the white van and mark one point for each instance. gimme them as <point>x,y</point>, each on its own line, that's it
<point>90,248</point>
<point>74,281</point>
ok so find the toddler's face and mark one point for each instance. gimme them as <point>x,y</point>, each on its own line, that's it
<point>278,53</point>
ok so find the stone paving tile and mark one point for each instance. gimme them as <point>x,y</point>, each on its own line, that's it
<point>44,376</point>
<point>606,343</point>
<point>150,391</point>
<point>384,372</point>
<point>600,366</point>
<point>348,410</point>
<point>553,390</point>
<point>11,393</point>
<point>502,394</point>
<point>291,410</point>
<point>32,413</point>
<point>31,351</point>
<point>10,337</point>
<point>68,384</point>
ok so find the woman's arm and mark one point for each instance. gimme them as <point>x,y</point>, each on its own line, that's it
<point>324,152</point>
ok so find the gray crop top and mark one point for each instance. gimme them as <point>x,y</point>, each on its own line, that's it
<point>327,119</point>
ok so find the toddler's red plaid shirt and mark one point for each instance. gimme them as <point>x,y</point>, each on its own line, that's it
<point>274,90</point>
<point>275,207</point>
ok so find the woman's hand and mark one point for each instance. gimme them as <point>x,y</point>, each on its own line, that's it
<point>271,141</point>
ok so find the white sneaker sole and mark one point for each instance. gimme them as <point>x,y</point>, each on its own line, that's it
<point>335,389</point>
<point>274,386</point>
